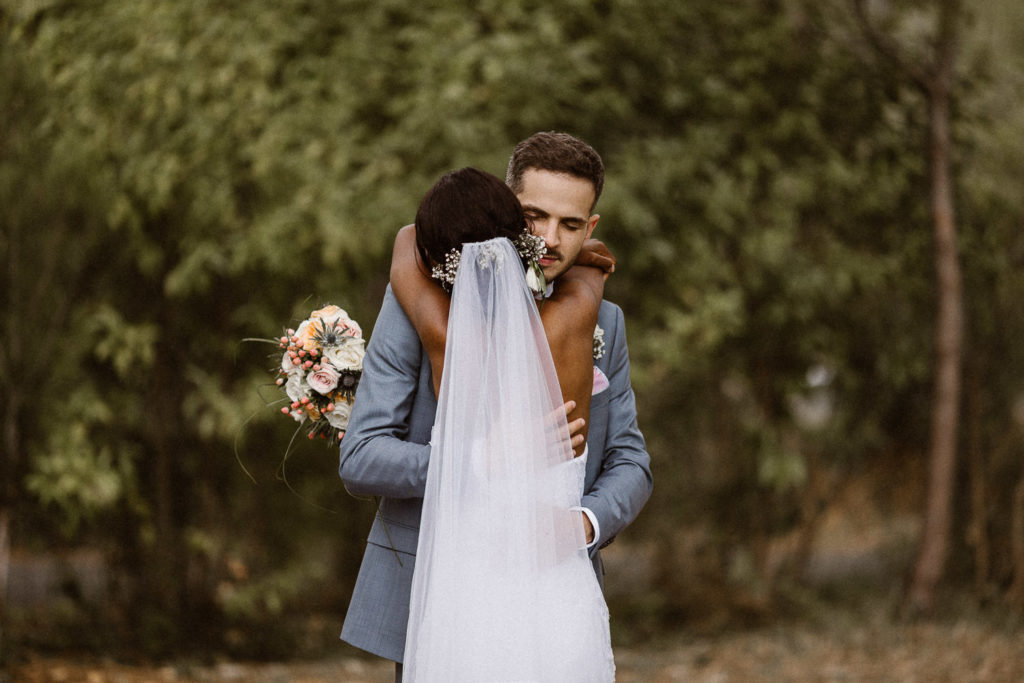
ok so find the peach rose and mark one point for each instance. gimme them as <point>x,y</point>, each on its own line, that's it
<point>335,315</point>
<point>305,334</point>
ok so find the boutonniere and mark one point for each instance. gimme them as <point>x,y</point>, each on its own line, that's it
<point>598,343</point>
<point>531,247</point>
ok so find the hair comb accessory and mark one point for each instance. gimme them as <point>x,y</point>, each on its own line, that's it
<point>530,248</point>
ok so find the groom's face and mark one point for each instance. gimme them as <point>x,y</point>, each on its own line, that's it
<point>558,205</point>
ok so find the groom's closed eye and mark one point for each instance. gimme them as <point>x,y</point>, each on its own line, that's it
<point>533,214</point>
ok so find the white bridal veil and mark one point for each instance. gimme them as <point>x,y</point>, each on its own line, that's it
<point>503,589</point>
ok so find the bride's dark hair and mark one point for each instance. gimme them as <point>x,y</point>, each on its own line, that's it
<point>467,205</point>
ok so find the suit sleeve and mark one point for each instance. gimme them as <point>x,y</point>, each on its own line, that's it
<point>376,459</point>
<point>625,482</point>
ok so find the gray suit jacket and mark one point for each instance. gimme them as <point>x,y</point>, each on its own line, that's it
<point>385,453</point>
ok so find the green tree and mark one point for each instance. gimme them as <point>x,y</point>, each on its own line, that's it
<point>936,75</point>
<point>50,238</point>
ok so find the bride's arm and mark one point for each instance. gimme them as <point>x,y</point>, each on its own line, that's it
<point>424,302</point>
<point>569,318</point>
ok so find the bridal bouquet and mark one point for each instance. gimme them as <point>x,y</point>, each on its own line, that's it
<point>320,370</point>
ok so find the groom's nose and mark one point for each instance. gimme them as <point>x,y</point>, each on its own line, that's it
<point>548,229</point>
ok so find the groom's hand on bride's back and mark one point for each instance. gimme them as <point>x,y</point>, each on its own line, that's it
<point>596,255</point>
<point>575,429</point>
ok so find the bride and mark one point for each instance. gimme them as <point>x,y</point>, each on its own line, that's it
<point>503,588</point>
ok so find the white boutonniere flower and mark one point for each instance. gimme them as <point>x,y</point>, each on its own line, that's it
<point>535,278</point>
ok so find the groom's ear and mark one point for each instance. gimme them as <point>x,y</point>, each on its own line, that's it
<point>591,224</point>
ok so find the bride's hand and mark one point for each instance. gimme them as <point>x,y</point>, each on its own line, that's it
<point>596,255</point>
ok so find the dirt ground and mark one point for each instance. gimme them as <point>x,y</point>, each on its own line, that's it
<point>838,646</point>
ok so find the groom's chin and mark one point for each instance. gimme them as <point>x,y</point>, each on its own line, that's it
<point>552,272</point>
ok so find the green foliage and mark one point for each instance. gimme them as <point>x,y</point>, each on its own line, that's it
<point>76,475</point>
<point>127,348</point>
<point>273,592</point>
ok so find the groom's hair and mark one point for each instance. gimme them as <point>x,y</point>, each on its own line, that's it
<point>467,205</point>
<point>558,153</point>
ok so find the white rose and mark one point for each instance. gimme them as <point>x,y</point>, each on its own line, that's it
<point>296,387</point>
<point>287,365</point>
<point>348,355</point>
<point>324,380</point>
<point>338,418</point>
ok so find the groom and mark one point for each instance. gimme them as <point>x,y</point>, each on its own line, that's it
<point>558,180</point>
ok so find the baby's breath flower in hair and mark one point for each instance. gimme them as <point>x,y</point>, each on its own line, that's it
<point>445,272</point>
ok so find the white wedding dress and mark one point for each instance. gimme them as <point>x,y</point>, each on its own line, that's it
<point>503,589</point>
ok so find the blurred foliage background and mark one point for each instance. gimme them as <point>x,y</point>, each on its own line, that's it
<point>177,176</point>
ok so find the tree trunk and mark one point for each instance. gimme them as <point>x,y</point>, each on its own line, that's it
<point>931,559</point>
<point>819,490</point>
<point>1016,592</point>
<point>977,530</point>
<point>5,563</point>
<point>9,476</point>
<point>166,560</point>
